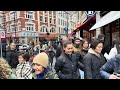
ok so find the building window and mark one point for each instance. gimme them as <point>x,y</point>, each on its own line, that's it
<point>7,18</point>
<point>41,18</point>
<point>59,29</point>
<point>50,12</point>
<point>65,23</point>
<point>50,20</point>
<point>41,12</point>
<point>54,21</point>
<point>61,13</point>
<point>52,30</point>
<point>62,30</point>
<point>19,27</point>
<point>29,14</point>
<point>43,29</point>
<point>45,12</point>
<point>58,21</point>
<point>12,28</point>
<point>30,27</point>
<point>54,13</point>
<point>61,21</point>
<point>12,15</point>
<point>45,19</point>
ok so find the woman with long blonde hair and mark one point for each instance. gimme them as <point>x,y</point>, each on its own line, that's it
<point>5,70</point>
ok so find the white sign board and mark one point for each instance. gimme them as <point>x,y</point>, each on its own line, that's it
<point>2,34</point>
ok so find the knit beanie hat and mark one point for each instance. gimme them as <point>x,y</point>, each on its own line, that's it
<point>42,59</point>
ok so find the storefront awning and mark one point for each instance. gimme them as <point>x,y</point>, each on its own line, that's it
<point>108,18</point>
<point>85,25</point>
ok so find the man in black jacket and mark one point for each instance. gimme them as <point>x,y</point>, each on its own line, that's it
<point>60,47</point>
<point>11,56</point>
<point>106,47</point>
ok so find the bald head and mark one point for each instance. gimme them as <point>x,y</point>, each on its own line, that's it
<point>65,39</point>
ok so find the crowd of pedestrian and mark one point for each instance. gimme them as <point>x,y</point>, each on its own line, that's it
<point>76,58</point>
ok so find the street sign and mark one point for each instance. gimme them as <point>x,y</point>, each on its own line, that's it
<point>2,34</point>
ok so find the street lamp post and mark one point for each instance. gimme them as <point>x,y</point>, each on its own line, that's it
<point>15,25</point>
<point>67,24</point>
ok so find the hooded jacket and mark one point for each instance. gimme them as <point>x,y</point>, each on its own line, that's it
<point>113,65</point>
<point>92,64</point>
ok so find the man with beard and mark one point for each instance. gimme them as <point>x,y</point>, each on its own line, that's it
<point>59,49</point>
<point>12,56</point>
<point>76,50</point>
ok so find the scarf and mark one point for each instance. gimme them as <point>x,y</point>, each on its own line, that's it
<point>42,75</point>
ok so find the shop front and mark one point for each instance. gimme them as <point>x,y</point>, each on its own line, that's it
<point>110,26</point>
<point>85,27</point>
<point>29,37</point>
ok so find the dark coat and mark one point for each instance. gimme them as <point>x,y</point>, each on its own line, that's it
<point>92,65</point>
<point>51,54</point>
<point>59,50</point>
<point>106,49</point>
<point>12,58</point>
<point>110,67</point>
<point>83,53</point>
<point>67,67</point>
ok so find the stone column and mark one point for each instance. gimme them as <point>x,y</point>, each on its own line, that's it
<point>98,30</point>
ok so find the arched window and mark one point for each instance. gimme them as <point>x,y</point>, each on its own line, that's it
<point>46,29</point>
<point>52,30</point>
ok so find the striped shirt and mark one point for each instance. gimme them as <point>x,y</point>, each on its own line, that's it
<point>24,71</point>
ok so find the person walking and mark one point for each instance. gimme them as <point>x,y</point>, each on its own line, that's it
<point>76,50</point>
<point>94,60</point>
<point>40,66</point>
<point>12,56</point>
<point>67,66</point>
<point>24,69</point>
<point>51,53</point>
<point>59,49</point>
<point>83,51</point>
<point>106,46</point>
